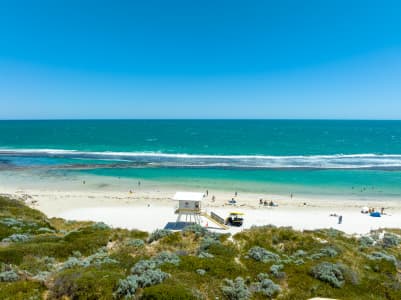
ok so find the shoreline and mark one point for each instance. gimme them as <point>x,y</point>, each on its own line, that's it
<point>149,206</point>
<point>149,209</point>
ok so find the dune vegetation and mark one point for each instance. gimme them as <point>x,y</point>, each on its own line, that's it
<point>50,258</point>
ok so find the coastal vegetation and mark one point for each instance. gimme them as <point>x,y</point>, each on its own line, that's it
<point>52,258</point>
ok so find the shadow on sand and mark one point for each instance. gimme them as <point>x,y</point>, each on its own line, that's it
<point>182,225</point>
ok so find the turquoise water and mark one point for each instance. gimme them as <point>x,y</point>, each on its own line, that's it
<point>214,137</point>
<point>278,156</point>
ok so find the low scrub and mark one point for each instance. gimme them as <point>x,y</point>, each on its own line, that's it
<point>85,260</point>
<point>266,287</point>
<point>158,234</point>
<point>9,276</point>
<point>235,289</point>
<point>85,283</point>
<point>330,273</point>
<point>263,255</point>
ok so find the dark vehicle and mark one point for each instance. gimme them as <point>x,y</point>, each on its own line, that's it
<point>235,219</point>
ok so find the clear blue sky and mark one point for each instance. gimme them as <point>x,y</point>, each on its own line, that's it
<point>200,59</point>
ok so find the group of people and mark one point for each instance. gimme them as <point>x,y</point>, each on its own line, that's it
<point>266,203</point>
<point>371,210</point>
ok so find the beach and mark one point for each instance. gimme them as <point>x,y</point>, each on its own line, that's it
<point>125,203</point>
<point>125,172</point>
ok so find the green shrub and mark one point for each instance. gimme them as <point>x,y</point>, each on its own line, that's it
<point>126,288</point>
<point>266,287</point>
<point>101,225</point>
<point>390,240</point>
<point>300,253</point>
<point>45,230</point>
<point>155,262</point>
<point>366,241</point>
<point>16,209</point>
<point>200,272</point>
<point>324,252</point>
<point>261,254</point>
<point>9,276</point>
<point>204,254</point>
<point>235,289</point>
<point>197,229</point>
<point>85,283</point>
<point>35,264</point>
<point>330,273</point>
<point>166,257</point>
<point>174,240</point>
<point>73,262</point>
<point>11,222</point>
<point>276,270</point>
<point>96,259</point>
<point>17,238</point>
<point>143,265</point>
<point>42,276</point>
<point>151,277</point>
<point>329,251</point>
<point>262,276</point>
<point>299,262</point>
<point>86,240</point>
<point>158,234</point>
<point>382,256</point>
<point>207,242</point>
<point>144,274</point>
<point>137,243</point>
<point>77,254</point>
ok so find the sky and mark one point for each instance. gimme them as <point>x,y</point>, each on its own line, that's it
<point>70,59</point>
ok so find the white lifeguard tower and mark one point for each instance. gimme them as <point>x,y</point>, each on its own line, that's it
<point>189,204</point>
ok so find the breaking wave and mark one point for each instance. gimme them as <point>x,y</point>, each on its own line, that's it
<point>155,159</point>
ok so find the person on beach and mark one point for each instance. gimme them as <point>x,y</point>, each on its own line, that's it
<point>236,194</point>
<point>232,201</point>
<point>291,195</point>
<point>260,201</point>
<point>139,183</point>
<point>340,219</point>
<point>213,198</point>
<point>207,193</point>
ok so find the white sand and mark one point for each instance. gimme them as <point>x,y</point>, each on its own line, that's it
<point>108,199</point>
<point>153,217</point>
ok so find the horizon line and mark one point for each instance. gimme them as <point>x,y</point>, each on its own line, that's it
<point>200,119</point>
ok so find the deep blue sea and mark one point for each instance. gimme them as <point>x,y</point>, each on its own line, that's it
<point>278,156</point>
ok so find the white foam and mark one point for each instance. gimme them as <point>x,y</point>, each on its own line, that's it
<point>335,161</point>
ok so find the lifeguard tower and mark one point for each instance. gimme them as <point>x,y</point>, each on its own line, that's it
<point>189,204</point>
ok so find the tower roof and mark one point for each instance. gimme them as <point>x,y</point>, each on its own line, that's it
<point>188,196</point>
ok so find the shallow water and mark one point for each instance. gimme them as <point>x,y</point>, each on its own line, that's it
<point>353,158</point>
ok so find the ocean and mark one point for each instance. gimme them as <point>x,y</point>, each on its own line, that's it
<point>322,157</point>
